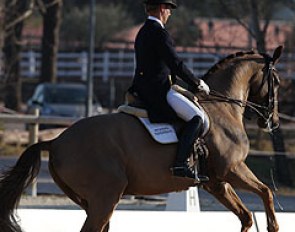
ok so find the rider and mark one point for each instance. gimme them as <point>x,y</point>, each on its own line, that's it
<point>157,65</point>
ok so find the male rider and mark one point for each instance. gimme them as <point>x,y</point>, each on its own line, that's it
<point>157,66</point>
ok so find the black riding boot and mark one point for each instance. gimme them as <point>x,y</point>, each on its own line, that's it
<point>190,133</point>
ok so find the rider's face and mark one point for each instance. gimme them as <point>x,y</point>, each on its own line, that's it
<point>166,12</point>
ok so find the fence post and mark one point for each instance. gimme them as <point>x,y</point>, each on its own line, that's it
<point>184,201</point>
<point>106,68</point>
<point>112,94</point>
<point>1,65</point>
<point>33,138</point>
<point>32,63</point>
<point>84,62</point>
<point>282,169</point>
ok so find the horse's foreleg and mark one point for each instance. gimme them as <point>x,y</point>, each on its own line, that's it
<point>228,197</point>
<point>242,177</point>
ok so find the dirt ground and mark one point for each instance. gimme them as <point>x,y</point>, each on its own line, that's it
<point>63,202</point>
<point>283,202</point>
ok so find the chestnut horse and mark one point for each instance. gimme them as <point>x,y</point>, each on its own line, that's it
<point>101,158</point>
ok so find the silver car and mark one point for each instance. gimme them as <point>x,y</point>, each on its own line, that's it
<point>62,99</point>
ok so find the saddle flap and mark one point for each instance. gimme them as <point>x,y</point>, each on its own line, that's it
<point>163,133</point>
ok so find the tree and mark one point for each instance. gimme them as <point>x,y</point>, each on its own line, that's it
<point>135,9</point>
<point>50,39</point>
<point>15,12</point>
<point>253,15</point>
<point>1,33</point>
<point>1,25</point>
<point>182,27</point>
<point>110,20</point>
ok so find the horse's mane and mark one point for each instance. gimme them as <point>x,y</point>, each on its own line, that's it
<point>225,61</point>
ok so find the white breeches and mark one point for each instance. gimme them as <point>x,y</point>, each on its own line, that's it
<point>183,107</point>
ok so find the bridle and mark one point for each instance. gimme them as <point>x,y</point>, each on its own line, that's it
<point>264,111</point>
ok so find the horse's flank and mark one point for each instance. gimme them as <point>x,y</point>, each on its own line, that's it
<point>143,162</point>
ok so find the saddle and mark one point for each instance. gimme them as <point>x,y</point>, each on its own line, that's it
<point>166,133</point>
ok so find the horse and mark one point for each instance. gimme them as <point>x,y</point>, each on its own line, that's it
<point>99,159</point>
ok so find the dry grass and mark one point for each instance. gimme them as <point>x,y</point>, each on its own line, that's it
<point>13,142</point>
<point>10,150</point>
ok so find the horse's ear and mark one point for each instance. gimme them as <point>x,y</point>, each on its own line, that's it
<point>277,53</point>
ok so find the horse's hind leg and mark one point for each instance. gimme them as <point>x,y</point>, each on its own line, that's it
<point>99,214</point>
<point>65,188</point>
<point>101,204</point>
<point>242,177</point>
<point>228,197</point>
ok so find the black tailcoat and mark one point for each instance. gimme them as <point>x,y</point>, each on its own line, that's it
<point>157,66</point>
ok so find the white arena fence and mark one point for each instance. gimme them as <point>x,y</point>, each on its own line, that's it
<point>121,63</point>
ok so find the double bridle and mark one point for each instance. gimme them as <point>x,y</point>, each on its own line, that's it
<point>264,111</point>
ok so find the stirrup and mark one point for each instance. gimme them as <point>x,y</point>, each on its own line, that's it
<point>202,178</point>
<point>183,171</point>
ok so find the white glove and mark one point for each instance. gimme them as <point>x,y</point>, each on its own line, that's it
<point>203,87</point>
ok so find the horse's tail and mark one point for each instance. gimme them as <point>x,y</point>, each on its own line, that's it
<point>15,180</point>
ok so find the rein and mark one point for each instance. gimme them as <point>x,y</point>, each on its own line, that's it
<point>259,109</point>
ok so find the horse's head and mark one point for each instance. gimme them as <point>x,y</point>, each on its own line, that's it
<point>264,87</point>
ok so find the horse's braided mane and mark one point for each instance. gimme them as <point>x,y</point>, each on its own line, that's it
<point>223,62</point>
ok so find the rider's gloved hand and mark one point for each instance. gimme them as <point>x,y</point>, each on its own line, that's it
<point>202,86</point>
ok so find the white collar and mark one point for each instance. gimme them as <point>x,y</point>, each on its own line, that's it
<point>157,20</point>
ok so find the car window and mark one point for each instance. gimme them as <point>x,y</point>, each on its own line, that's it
<point>65,95</point>
<point>38,95</point>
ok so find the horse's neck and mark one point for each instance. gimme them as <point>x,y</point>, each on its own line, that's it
<point>233,84</point>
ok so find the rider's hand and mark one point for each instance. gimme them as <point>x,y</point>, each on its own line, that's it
<point>202,86</point>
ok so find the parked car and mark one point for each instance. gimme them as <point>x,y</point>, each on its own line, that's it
<point>62,99</point>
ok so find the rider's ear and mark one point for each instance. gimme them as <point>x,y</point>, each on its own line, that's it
<point>161,7</point>
<point>277,53</point>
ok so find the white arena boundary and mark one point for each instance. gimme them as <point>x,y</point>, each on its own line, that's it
<point>50,220</point>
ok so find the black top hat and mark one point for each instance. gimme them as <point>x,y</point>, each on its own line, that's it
<point>157,2</point>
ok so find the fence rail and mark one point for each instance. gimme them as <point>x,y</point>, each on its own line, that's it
<point>121,63</point>
<point>34,120</point>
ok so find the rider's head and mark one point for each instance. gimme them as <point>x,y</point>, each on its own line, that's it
<point>160,9</point>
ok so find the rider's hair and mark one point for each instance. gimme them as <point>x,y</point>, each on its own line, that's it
<point>151,8</point>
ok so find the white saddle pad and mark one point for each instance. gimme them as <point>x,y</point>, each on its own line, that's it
<point>161,132</point>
